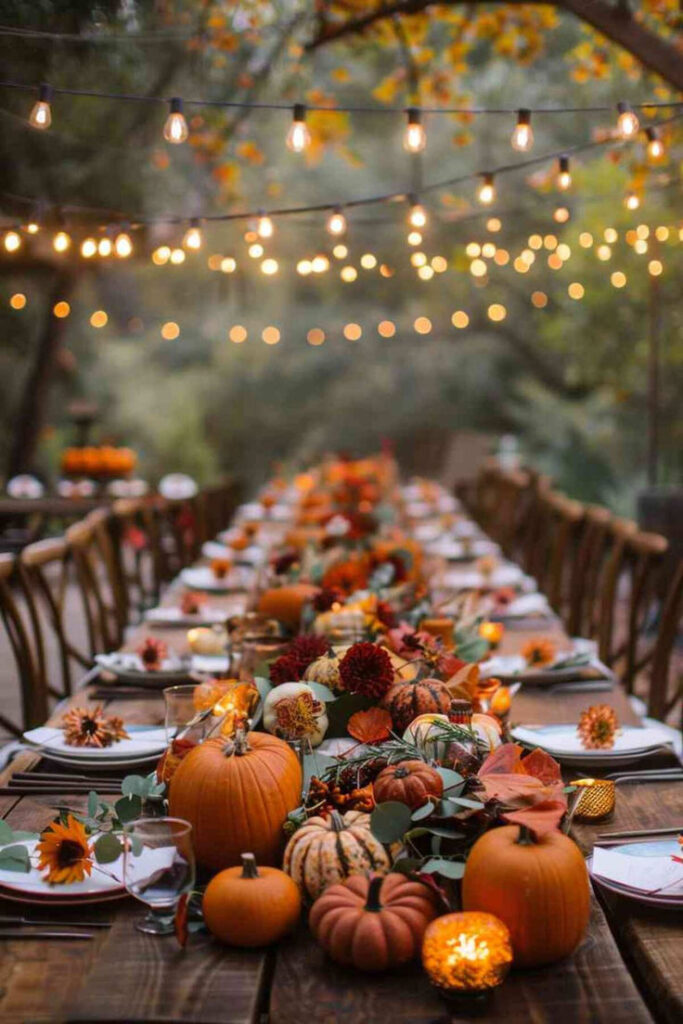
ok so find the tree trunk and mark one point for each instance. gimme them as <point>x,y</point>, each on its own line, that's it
<point>33,404</point>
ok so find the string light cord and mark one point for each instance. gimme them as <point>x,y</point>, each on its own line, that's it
<point>336,108</point>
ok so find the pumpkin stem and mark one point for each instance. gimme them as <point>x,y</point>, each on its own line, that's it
<point>249,866</point>
<point>526,836</point>
<point>337,821</point>
<point>373,902</point>
<point>401,772</point>
<point>238,745</point>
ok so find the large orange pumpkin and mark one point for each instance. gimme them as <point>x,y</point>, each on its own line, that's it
<point>537,886</point>
<point>373,924</point>
<point>250,905</point>
<point>237,795</point>
<point>287,603</point>
<point>406,700</point>
<point>410,782</point>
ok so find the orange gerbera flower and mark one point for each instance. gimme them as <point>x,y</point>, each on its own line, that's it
<point>597,727</point>
<point>64,850</point>
<point>538,652</point>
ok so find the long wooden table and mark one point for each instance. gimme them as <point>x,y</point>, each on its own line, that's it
<point>627,969</point>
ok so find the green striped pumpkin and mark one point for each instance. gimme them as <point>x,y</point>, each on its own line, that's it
<point>328,850</point>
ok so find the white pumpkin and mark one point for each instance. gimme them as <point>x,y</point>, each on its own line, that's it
<point>207,641</point>
<point>487,729</point>
<point>424,732</point>
<point>292,711</point>
<point>325,669</point>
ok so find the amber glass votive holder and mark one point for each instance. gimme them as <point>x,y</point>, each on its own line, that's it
<point>595,799</point>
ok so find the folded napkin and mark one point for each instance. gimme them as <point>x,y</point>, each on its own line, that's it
<point>652,873</point>
<point>525,605</point>
<point>470,579</point>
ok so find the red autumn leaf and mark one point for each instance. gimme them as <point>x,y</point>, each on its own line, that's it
<point>506,760</point>
<point>540,818</point>
<point>542,766</point>
<point>180,920</point>
<point>514,788</point>
<point>371,726</point>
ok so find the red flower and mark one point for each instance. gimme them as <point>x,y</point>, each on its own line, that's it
<point>301,653</point>
<point>284,562</point>
<point>386,615</point>
<point>324,599</point>
<point>285,669</point>
<point>366,669</point>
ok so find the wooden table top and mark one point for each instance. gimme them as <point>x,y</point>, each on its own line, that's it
<point>627,969</point>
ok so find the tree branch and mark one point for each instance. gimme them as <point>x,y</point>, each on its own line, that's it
<point>614,22</point>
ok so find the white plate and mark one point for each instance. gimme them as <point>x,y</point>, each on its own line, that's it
<point>656,849</point>
<point>469,579</point>
<point>456,551</point>
<point>202,578</point>
<point>127,665</point>
<point>128,763</point>
<point>147,743</point>
<point>174,616</point>
<point>248,556</point>
<point>562,742</point>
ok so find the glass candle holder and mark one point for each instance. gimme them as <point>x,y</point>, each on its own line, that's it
<point>466,954</point>
<point>595,799</point>
<point>442,628</point>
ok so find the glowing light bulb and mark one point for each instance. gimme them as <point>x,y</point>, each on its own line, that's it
<point>631,201</point>
<point>105,247</point>
<point>12,241</point>
<point>655,146</point>
<point>564,177</point>
<point>41,113</point>
<point>336,222</point>
<point>33,227</point>
<point>61,241</point>
<point>523,137</point>
<point>417,218</point>
<point>414,139</point>
<point>88,248</point>
<point>123,246</point>
<point>627,122</point>
<point>175,128</point>
<point>265,227</point>
<point>193,237</point>
<point>298,136</point>
<point>487,190</point>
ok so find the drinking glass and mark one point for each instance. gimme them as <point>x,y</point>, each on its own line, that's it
<point>158,868</point>
<point>181,711</point>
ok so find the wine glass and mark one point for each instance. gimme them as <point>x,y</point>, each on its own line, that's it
<point>158,868</point>
<point>181,712</point>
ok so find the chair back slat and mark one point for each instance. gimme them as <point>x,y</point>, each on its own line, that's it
<point>29,663</point>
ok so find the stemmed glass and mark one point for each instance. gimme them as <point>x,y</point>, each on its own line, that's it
<point>181,712</point>
<point>158,868</point>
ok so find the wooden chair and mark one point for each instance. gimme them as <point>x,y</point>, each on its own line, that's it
<point>28,655</point>
<point>559,520</point>
<point>644,555</point>
<point>108,550</point>
<point>137,527</point>
<point>592,548</point>
<point>94,579</point>
<point>660,702</point>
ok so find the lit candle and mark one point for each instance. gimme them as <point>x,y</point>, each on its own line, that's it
<point>468,953</point>
<point>594,800</point>
<point>492,632</point>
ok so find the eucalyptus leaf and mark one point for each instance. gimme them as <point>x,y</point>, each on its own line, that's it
<point>440,866</point>
<point>15,858</point>
<point>316,764</point>
<point>423,812</point>
<point>472,649</point>
<point>323,692</point>
<point>462,801</point>
<point>263,686</point>
<point>339,711</point>
<point>6,833</point>
<point>107,849</point>
<point>406,865</point>
<point>450,778</point>
<point>446,833</point>
<point>128,808</point>
<point>136,844</point>
<point>133,785</point>
<point>389,821</point>
<point>93,801</point>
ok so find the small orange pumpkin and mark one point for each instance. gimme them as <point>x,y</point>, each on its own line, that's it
<point>538,887</point>
<point>406,700</point>
<point>409,782</point>
<point>287,603</point>
<point>236,795</point>
<point>373,924</point>
<point>251,906</point>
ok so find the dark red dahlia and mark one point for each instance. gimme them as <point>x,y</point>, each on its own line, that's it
<point>302,651</point>
<point>366,669</point>
<point>285,669</point>
<point>284,562</point>
<point>386,615</point>
<point>326,597</point>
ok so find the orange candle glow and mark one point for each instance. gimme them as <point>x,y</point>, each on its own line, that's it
<point>466,954</point>
<point>492,632</point>
<point>441,628</point>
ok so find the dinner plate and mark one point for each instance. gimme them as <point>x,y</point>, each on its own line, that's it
<point>252,555</point>
<point>141,744</point>
<point>129,763</point>
<point>457,551</point>
<point>202,577</point>
<point>562,742</point>
<point>127,666</point>
<point>174,616</point>
<point>659,849</point>
<point>472,579</point>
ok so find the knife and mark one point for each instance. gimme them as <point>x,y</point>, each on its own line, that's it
<point>43,923</point>
<point>10,933</point>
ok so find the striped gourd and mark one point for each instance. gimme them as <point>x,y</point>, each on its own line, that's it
<point>325,851</point>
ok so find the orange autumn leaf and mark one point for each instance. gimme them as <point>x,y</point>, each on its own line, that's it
<point>371,726</point>
<point>540,818</point>
<point>544,767</point>
<point>180,921</point>
<point>505,760</point>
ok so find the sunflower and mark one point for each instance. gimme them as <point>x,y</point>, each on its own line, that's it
<point>65,852</point>
<point>538,652</point>
<point>597,727</point>
<point>152,653</point>
<point>89,727</point>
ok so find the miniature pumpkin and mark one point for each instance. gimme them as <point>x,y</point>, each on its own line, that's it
<point>250,905</point>
<point>373,924</point>
<point>327,850</point>
<point>236,796</point>
<point>487,729</point>
<point>325,669</point>
<point>538,887</point>
<point>292,711</point>
<point>410,782</point>
<point>425,732</point>
<point>287,603</point>
<point>406,700</point>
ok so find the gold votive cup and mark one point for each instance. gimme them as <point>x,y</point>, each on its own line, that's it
<point>595,799</point>
<point>442,628</point>
<point>492,632</point>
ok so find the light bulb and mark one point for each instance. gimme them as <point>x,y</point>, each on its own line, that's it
<point>523,136</point>
<point>41,113</point>
<point>414,139</point>
<point>336,222</point>
<point>104,246</point>
<point>193,237</point>
<point>265,227</point>
<point>631,201</point>
<point>627,122</point>
<point>175,129</point>
<point>417,217</point>
<point>88,247</point>
<point>33,227</point>
<point>564,177</point>
<point>298,136</point>
<point>487,190</point>
<point>61,241</point>
<point>123,246</point>
<point>12,241</point>
<point>655,146</point>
